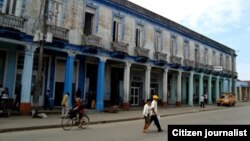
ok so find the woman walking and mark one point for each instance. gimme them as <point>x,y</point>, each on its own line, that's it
<point>146,115</point>
<point>65,105</point>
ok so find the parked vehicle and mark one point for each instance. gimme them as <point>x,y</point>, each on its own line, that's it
<point>227,99</point>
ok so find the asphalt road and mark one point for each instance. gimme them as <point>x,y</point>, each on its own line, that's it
<point>131,130</point>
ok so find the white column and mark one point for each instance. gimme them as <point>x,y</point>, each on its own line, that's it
<point>223,85</point>
<point>217,88</point>
<point>147,83</point>
<point>26,103</point>
<point>230,85</point>
<point>190,87</point>
<point>184,90</point>
<point>236,90</point>
<point>27,74</point>
<point>18,9</point>
<point>235,86</point>
<point>240,92</point>
<point>165,87</point>
<point>200,86</point>
<point>178,99</point>
<point>126,82</point>
<point>209,89</point>
<point>173,90</point>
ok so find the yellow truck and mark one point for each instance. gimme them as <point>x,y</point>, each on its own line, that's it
<point>226,99</point>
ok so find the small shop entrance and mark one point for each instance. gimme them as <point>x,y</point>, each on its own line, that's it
<point>116,79</point>
<point>91,74</point>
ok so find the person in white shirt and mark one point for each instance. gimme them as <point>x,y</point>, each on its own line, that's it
<point>146,115</point>
<point>65,105</point>
<point>154,113</point>
<point>202,103</point>
<point>205,98</point>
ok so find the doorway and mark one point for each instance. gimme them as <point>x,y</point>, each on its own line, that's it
<point>59,86</point>
<point>135,96</point>
<point>116,78</point>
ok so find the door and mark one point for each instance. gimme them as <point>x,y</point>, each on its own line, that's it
<point>59,86</point>
<point>134,98</point>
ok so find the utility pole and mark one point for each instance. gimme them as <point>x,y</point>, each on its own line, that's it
<point>38,83</point>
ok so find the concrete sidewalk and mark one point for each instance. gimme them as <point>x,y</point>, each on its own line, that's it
<point>19,123</point>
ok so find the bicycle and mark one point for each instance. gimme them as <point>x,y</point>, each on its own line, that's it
<point>69,121</point>
<point>5,106</point>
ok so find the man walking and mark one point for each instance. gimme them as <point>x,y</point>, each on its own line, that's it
<point>46,100</point>
<point>202,102</point>
<point>154,113</point>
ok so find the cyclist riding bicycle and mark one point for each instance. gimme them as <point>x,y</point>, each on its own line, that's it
<point>76,117</point>
<point>77,109</point>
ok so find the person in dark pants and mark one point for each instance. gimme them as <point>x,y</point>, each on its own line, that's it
<point>202,102</point>
<point>78,92</point>
<point>46,100</point>
<point>5,93</point>
<point>16,105</point>
<point>153,114</point>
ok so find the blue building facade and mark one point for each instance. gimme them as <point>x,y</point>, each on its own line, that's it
<point>115,52</point>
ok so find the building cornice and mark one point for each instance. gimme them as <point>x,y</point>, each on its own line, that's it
<point>137,10</point>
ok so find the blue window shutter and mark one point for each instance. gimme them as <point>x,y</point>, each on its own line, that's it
<point>1,5</point>
<point>123,27</point>
<point>97,19</point>
<point>23,5</point>
<point>64,11</point>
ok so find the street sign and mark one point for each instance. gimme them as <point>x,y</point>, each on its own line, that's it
<point>218,68</point>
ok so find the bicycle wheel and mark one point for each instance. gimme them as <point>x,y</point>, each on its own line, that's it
<point>67,123</point>
<point>84,121</point>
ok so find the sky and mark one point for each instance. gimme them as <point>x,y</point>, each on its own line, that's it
<point>225,21</point>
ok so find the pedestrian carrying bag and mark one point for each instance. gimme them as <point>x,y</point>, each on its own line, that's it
<point>158,117</point>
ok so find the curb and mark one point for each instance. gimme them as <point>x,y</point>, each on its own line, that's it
<point>111,121</point>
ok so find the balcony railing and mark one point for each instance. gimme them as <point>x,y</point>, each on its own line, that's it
<point>199,66</point>
<point>142,52</point>
<point>175,60</point>
<point>120,47</point>
<point>161,56</point>
<point>11,21</point>
<point>209,67</point>
<point>92,40</point>
<point>58,32</point>
<point>235,75</point>
<point>226,71</point>
<point>188,63</point>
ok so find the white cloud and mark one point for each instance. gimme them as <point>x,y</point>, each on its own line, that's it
<point>203,16</point>
<point>226,21</point>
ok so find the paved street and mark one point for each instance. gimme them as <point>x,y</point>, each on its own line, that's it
<point>132,130</point>
<point>19,123</point>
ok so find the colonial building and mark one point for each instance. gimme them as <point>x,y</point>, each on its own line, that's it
<point>243,90</point>
<point>115,51</point>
